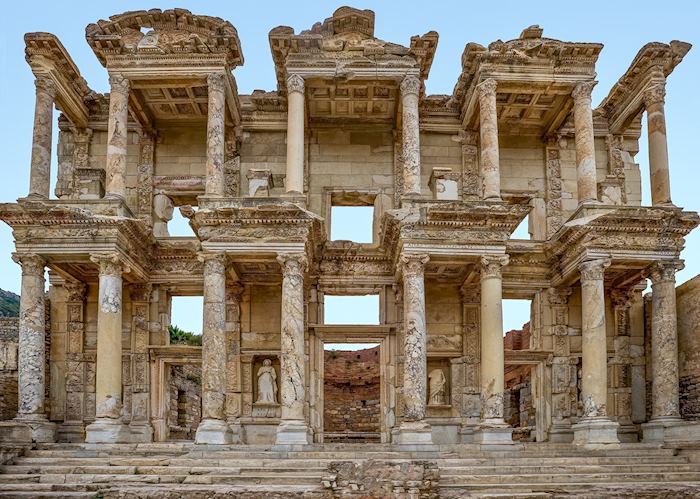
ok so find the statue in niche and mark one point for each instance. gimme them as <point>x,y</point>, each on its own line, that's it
<point>437,382</point>
<point>162,213</point>
<point>267,383</point>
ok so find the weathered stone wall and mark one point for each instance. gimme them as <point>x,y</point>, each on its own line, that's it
<point>517,339</point>
<point>9,335</point>
<point>688,310</point>
<point>351,391</point>
<point>185,389</point>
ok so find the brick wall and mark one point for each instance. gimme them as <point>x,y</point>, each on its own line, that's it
<point>688,312</point>
<point>185,401</point>
<point>9,332</point>
<point>351,391</point>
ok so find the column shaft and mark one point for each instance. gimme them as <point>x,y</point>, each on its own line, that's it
<point>294,181</point>
<point>492,353</point>
<point>415,349</point>
<point>215,135</point>
<point>40,174</point>
<point>488,130</point>
<point>585,146</point>
<point>658,147</point>
<point>664,343</point>
<point>117,135</point>
<point>594,389</point>
<point>410,90</point>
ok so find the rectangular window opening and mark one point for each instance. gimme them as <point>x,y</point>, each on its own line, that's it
<point>516,324</point>
<point>522,231</point>
<point>358,310</point>
<point>352,223</point>
<point>186,315</point>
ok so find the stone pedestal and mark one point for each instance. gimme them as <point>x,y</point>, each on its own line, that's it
<point>294,181</point>
<point>488,130</point>
<point>410,90</point>
<point>215,135</point>
<point>414,429</point>
<point>293,428</point>
<point>213,428</point>
<point>40,174</point>
<point>585,145</point>
<point>594,428</point>
<point>117,135</point>
<point>658,147</point>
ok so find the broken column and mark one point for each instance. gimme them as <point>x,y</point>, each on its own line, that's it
<point>658,147</point>
<point>40,174</point>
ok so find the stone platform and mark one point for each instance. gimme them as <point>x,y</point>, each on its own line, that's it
<point>170,470</point>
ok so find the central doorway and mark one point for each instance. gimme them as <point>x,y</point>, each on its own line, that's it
<point>351,392</point>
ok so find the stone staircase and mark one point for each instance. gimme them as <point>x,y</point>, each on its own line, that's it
<point>169,470</point>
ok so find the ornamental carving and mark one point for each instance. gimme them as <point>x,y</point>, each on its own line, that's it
<point>410,85</point>
<point>655,94</point>
<point>118,83</point>
<point>110,264</point>
<point>45,85</point>
<point>413,265</point>
<point>594,269</point>
<point>295,83</point>
<point>487,89</point>
<point>293,264</point>
<point>491,266</point>
<point>664,271</point>
<point>32,265</point>
<point>216,82</point>
<point>582,92</point>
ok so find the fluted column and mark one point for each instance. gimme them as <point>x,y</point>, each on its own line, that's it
<point>108,427</point>
<point>215,135</point>
<point>664,342</point>
<point>294,181</point>
<point>488,130</point>
<point>594,427</point>
<point>31,360</point>
<point>117,135</point>
<point>658,147</point>
<point>293,428</point>
<point>213,428</point>
<point>40,174</point>
<point>585,146</point>
<point>410,90</point>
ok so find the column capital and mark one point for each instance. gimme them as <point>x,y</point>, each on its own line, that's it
<point>292,263</point>
<point>410,85</point>
<point>665,271</point>
<point>140,291</point>
<point>413,264</point>
<point>75,291</point>
<point>213,262</point>
<point>109,263</point>
<point>492,265</point>
<point>216,81</point>
<point>118,83</point>
<point>46,85</point>
<point>31,263</point>
<point>594,269</point>
<point>295,83</point>
<point>654,94</point>
<point>487,88</point>
<point>582,91</point>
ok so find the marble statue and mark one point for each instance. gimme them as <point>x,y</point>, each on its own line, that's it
<point>438,384</point>
<point>267,383</point>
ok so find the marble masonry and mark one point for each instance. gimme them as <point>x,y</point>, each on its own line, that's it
<point>449,178</point>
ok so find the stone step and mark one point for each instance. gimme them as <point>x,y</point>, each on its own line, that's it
<point>111,478</point>
<point>158,470</point>
<point>668,476</point>
<point>554,461</point>
<point>580,468</point>
<point>590,489</point>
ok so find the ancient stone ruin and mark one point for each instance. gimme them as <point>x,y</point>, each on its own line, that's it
<point>101,392</point>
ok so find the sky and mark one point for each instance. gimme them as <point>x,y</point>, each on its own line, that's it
<point>623,26</point>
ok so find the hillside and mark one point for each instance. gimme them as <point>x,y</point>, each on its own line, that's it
<point>9,304</point>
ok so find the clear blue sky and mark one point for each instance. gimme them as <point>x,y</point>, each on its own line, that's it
<point>622,26</point>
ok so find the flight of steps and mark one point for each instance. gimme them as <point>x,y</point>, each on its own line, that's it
<point>171,470</point>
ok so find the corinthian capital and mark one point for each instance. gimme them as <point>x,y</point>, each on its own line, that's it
<point>295,83</point>
<point>492,266</point>
<point>45,85</point>
<point>593,269</point>
<point>292,263</point>
<point>487,88</point>
<point>410,85</point>
<point>582,91</point>
<point>665,271</point>
<point>655,94</point>
<point>109,263</point>
<point>214,263</point>
<point>413,265</point>
<point>216,82</point>
<point>118,83</point>
<point>31,263</point>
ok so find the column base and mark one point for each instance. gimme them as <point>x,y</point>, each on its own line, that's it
<point>71,432</point>
<point>494,433</point>
<point>414,433</point>
<point>213,431</point>
<point>28,429</point>
<point>561,432</point>
<point>466,433</point>
<point>293,432</point>
<point>107,431</point>
<point>141,432</point>
<point>628,433</point>
<point>595,432</point>
<point>654,431</point>
<point>236,431</point>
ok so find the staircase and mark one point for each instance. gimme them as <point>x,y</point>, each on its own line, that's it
<point>169,470</point>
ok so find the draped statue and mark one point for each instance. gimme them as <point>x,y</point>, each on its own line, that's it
<point>267,383</point>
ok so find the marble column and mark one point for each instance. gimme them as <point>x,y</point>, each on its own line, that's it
<point>215,184</point>
<point>294,182</point>
<point>293,428</point>
<point>40,174</point>
<point>414,429</point>
<point>658,148</point>
<point>108,426</point>
<point>488,130</point>
<point>410,90</point>
<point>213,429</point>
<point>31,359</point>
<point>594,427</point>
<point>117,136</point>
<point>493,429</point>
<point>665,408</point>
<point>585,146</point>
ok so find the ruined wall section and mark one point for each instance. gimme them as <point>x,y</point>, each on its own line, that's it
<point>9,337</point>
<point>688,310</point>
